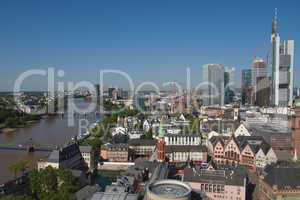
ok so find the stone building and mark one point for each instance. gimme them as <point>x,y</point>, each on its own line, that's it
<point>279,183</point>
<point>217,184</point>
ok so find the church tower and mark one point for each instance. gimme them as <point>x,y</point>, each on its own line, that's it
<point>295,126</point>
<point>161,145</point>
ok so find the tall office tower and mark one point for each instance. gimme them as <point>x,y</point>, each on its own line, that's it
<point>97,87</point>
<point>246,86</point>
<point>110,91</point>
<point>282,68</point>
<point>263,91</point>
<point>229,84</point>
<point>213,84</point>
<point>246,78</point>
<point>259,76</point>
<point>230,75</point>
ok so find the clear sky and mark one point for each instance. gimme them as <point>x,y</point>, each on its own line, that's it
<point>153,40</point>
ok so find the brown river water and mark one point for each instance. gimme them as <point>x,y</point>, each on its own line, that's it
<point>52,130</point>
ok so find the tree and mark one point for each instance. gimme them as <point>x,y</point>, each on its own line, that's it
<point>148,135</point>
<point>55,184</point>
<point>48,181</point>
<point>43,183</point>
<point>35,182</point>
<point>66,182</point>
<point>18,167</point>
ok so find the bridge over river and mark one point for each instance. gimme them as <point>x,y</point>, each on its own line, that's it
<point>29,147</point>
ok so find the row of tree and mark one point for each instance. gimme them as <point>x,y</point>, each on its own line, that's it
<point>10,118</point>
<point>49,183</point>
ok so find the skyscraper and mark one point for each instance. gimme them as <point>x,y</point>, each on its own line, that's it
<point>229,83</point>
<point>282,68</point>
<point>263,91</point>
<point>260,83</point>
<point>246,86</point>
<point>213,84</point>
<point>230,74</point>
<point>97,87</point>
<point>246,78</point>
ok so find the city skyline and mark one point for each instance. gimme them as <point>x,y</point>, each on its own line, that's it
<point>151,41</point>
<point>152,100</point>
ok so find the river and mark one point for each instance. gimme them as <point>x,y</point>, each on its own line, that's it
<point>49,130</point>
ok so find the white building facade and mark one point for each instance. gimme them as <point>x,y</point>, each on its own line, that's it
<point>282,69</point>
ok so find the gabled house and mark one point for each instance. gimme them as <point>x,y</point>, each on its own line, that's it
<point>271,157</point>
<point>241,131</point>
<point>248,156</point>
<point>250,151</point>
<point>146,126</point>
<point>212,134</point>
<point>213,141</point>
<point>218,151</point>
<point>232,152</point>
<point>260,158</point>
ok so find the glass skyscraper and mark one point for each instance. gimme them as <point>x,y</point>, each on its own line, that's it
<point>213,84</point>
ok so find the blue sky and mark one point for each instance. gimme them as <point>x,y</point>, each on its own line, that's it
<point>150,40</point>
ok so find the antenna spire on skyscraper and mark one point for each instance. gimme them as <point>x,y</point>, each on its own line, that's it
<point>274,24</point>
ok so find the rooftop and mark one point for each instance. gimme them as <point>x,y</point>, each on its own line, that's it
<point>234,176</point>
<point>283,177</point>
<point>64,153</point>
<point>185,148</point>
<point>85,149</point>
<point>87,192</point>
<point>170,189</point>
<point>142,142</point>
<point>114,196</point>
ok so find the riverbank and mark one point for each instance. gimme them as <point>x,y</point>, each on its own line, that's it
<point>6,130</point>
<point>50,129</point>
<point>9,157</point>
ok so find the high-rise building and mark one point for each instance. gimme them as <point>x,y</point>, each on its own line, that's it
<point>110,92</point>
<point>115,93</point>
<point>246,78</point>
<point>259,82</point>
<point>263,91</point>
<point>229,78</point>
<point>282,68</point>
<point>226,79</point>
<point>213,84</point>
<point>97,87</point>
<point>229,83</point>
<point>246,86</point>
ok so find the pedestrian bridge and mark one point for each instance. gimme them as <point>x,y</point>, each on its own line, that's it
<point>29,147</point>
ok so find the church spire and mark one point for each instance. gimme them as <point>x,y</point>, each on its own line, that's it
<point>274,23</point>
